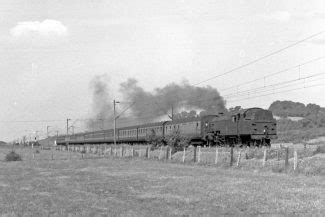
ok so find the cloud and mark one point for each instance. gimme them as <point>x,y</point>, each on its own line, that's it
<point>35,28</point>
<point>280,16</point>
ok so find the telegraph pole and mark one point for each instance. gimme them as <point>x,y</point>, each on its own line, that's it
<point>47,131</point>
<point>68,119</point>
<point>114,104</point>
<point>72,127</point>
<point>172,115</point>
<point>47,135</point>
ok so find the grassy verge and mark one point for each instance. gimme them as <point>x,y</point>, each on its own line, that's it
<point>137,187</point>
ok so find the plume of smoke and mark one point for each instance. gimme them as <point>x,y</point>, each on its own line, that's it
<point>102,103</point>
<point>161,100</point>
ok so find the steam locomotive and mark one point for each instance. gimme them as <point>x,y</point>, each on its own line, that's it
<point>252,127</point>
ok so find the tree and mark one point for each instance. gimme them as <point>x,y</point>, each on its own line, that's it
<point>235,109</point>
<point>185,115</point>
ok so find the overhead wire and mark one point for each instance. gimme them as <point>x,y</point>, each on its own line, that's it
<point>275,73</point>
<point>273,85</point>
<point>315,85</point>
<point>261,58</point>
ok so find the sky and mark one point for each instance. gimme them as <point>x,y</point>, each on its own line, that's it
<point>50,50</point>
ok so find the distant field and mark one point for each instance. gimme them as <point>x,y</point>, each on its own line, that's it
<point>139,187</point>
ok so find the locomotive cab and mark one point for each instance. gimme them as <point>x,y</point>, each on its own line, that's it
<point>253,126</point>
<point>261,125</point>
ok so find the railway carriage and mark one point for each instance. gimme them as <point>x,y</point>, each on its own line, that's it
<point>253,126</point>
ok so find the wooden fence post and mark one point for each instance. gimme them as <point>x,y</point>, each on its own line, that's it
<point>170,153</point>
<point>149,152</point>
<point>231,156</point>
<point>194,152</point>
<point>199,155</point>
<point>216,158</point>
<point>238,159</point>
<point>295,160</point>
<point>184,152</point>
<point>167,153</point>
<point>160,153</point>
<point>264,157</point>
<point>286,163</point>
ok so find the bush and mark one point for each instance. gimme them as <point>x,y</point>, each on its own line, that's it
<point>319,150</point>
<point>177,141</point>
<point>13,156</point>
<point>154,140</point>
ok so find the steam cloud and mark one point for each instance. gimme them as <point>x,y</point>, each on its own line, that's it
<point>102,104</point>
<point>150,106</point>
<point>180,97</point>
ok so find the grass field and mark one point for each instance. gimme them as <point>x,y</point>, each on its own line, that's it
<point>138,187</point>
